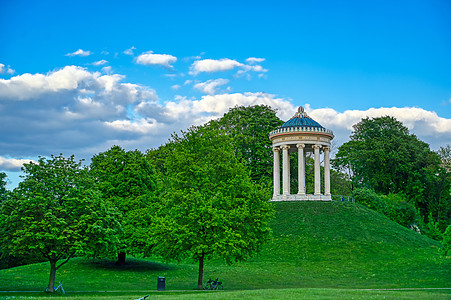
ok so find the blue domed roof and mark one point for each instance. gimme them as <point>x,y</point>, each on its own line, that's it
<point>301,119</point>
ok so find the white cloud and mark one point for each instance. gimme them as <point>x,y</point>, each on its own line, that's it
<point>226,64</point>
<point>211,86</point>
<point>107,70</point>
<point>175,87</point>
<point>149,58</point>
<point>129,51</point>
<point>212,65</point>
<point>100,62</point>
<point>27,85</point>
<point>254,60</point>
<point>75,111</point>
<point>141,126</point>
<point>189,111</point>
<point>426,125</point>
<point>12,164</point>
<point>6,69</point>
<point>254,68</point>
<point>79,52</point>
<point>67,110</point>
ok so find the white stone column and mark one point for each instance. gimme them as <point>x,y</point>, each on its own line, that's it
<point>286,170</point>
<point>326,171</point>
<point>276,172</point>
<point>301,169</point>
<point>317,170</point>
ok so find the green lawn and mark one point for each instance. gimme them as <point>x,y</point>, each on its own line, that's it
<point>316,247</point>
<point>306,293</point>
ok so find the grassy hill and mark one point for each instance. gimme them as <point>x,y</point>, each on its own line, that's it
<point>314,245</point>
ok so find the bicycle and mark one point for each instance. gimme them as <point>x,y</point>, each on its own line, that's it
<point>213,285</point>
<point>59,287</point>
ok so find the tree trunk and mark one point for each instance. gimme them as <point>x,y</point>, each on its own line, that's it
<point>201,273</point>
<point>120,259</point>
<point>51,286</point>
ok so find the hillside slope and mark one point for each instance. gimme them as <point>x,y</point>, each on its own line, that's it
<point>348,245</point>
<point>314,244</point>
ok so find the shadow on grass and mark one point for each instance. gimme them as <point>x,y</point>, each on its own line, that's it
<point>131,264</point>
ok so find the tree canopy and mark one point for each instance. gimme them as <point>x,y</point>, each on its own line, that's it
<point>56,213</point>
<point>128,181</point>
<point>3,190</point>
<point>250,127</point>
<point>211,207</point>
<point>383,156</point>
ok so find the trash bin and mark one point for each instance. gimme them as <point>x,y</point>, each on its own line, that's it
<point>161,283</point>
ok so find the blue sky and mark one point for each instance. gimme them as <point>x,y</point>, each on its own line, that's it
<point>79,77</point>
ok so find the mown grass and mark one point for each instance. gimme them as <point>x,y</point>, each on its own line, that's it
<point>315,246</point>
<point>306,293</point>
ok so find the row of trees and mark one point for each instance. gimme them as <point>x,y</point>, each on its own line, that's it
<point>396,173</point>
<point>205,193</point>
<point>192,197</point>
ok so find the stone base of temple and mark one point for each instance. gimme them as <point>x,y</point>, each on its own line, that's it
<point>296,197</point>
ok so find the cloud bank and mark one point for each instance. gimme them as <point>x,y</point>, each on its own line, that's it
<point>426,125</point>
<point>76,111</point>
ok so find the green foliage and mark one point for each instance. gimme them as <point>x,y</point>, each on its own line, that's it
<point>8,260</point>
<point>447,240</point>
<point>250,127</point>
<point>394,206</point>
<point>340,184</point>
<point>383,156</point>
<point>370,199</point>
<point>432,229</point>
<point>129,182</point>
<point>55,213</point>
<point>314,245</point>
<point>401,211</point>
<point>211,207</point>
<point>3,190</point>
<point>445,157</point>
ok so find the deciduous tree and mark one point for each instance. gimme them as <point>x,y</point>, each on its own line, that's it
<point>211,207</point>
<point>56,213</point>
<point>127,180</point>
<point>249,127</point>
<point>382,155</point>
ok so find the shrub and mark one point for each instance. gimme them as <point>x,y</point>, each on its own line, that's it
<point>447,240</point>
<point>370,199</point>
<point>394,206</point>
<point>432,229</point>
<point>401,211</point>
<point>11,261</point>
